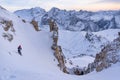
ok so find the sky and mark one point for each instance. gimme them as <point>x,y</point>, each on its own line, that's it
<point>91,5</point>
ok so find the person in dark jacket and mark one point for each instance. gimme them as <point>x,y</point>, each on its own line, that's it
<point>19,50</point>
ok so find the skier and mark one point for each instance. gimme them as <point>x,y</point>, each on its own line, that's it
<point>19,50</point>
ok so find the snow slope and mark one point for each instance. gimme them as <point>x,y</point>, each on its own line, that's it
<point>76,42</point>
<point>78,50</point>
<point>37,62</point>
<point>37,54</point>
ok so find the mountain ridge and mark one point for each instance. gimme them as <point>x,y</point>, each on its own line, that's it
<point>75,20</point>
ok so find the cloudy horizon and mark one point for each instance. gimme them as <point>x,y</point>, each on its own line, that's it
<point>91,5</point>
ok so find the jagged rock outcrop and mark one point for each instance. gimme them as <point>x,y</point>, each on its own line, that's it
<point>35,25</point>
<point>60,56</point>
<point>8,36</point>
<point>109,55</point>
<point>7,26</point>
<point>57,49</point>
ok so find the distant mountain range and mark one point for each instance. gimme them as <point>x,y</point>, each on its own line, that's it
<point>74,20</point>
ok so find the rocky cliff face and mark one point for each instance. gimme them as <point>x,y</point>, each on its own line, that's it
<point>109,55</point>
<point>74,20</point>
<point>6,25</point>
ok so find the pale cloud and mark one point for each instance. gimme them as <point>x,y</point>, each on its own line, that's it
<point>102,6</point>
<point>66,4</point>
<point>111,1</point>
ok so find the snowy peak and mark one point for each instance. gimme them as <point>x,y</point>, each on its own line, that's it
<point>29,14</point>
<point>76,20</point>
<point>54,9</point>
<point>2,8</point>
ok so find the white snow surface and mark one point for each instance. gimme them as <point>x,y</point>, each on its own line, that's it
<point>80,62</point>
<point>75,42</point>
<point>78,50</point>
<point>37,62</point>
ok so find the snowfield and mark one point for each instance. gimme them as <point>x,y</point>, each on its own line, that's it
<point>37,61</point>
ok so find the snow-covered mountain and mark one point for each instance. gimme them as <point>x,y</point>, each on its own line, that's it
<point>37,61</point>
<point>80,48</point>
<point>85,42</point>
<point>74,20</point>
